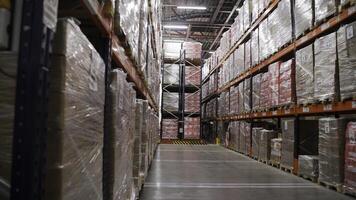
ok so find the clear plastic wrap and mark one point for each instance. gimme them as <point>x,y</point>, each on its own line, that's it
<point>239,62</point>
<point>247,133</point>
<point>350,158</point>
<point>331,150</point>
<point>324,9</point>
<point>234,139</point>
<point>273,70</point>
<point>325,68</point>
<point>225,43</point>
<point>256,91</point>
<point>303,15</point>
<point>308,166</point>
<point>192,102</point>
<point>345,2</point>
<point>137,155</point>
<point>192,75</point>
<point>256,136</point>
<point>264,40</point>
<point>241,97</point>
<point>286,83</point>
<point>144,141</point>
<point>247,55</point>
<point>288,139</point>
<point>273,32</point>
<point>255,49</point>
<point>247,95</point>
<point>169,128</point>
<point>265,94</point>
<point>170,101</point>
<point>234,32</point>
<point>276,150</point>
<point>346,45</point>
<point>143,36</point>
<point>284,17</point>
<point>234,100</point>
<point>171,74</point>
<point>193,51</point>
<point>8,74</point>
<point>265,144</point>
<point>242,148</point>
<point>171,50</point>
<point>224,104</point>
<point>246,11</point>
<point>75,120</point>
<point>305,75</point>
<point>191,128</point>
<point>255,9</point>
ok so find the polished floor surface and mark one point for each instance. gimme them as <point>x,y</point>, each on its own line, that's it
<point>210,172</point>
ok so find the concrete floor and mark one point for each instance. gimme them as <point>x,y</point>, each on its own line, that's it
<point>213,172</point>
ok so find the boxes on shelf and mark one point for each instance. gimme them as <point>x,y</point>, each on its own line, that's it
<point>256,137</point>
<point>265,93</point>
<point>247,55</point>
<point>331,150</point>
<point>288,140</point>
<point>346,45</point>
<point>242,138</point>
<point>7,106</point>
<point>276,150</point>
<point>305,75</point>
<point>239,62</point>
<point>171,74</point>
<point>324,9</point>
<point>144,141</point>
<point>308,166</point>
<point>172,50</point>
<point>137,152</point>
<point>303,15</point>
<point>255,48</point>
<point>350,158</point>
<point>346,2</point>
<point>264,153</point>
<point>241,95</point>
<point>170,101</point>
<point>246,11</point>
<point>234,100</point>
<point>192,75</point>
<point>191,128</point>
<point>263,38</point>
<point>255,9</point>
<point>286,83</point>
<point>247,95</point>
<point>234,137</point>
<point>193,51</point>
<point>273,70</point>
<point>325,83</point>
<point>192,102</point>
<point>169,128</point>
<point>256,91</point>
<point>284,23</point>
<point>75,121</point>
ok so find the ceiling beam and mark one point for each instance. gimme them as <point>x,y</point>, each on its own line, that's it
<point>216,12</point>
<point>194,23</point>
<point>188,31</point>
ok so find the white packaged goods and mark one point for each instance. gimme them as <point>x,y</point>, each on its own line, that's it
<point>234,100</point>
<point>256,89</point>
<point>286,83</point>
<point>273,32</point>
<point>247,95</point>
<point>255,49</point>
<point>169,128</point>
<point>308,166</point>
<point>247,55</point>
<point>235,35</point>
<point>284,22</point>
<point>8,74</point>
<point>324,9</point>
<point>241,97</point>
<point>265,94</point>
<point>303,14</point>
<point>191,128</point>
<point>263,40</point>
<point>346,45</point>
<point>225,43</point>
<point>246,10</point>
<point>192,51</point>
<point>265,144</point>
<point>305,75</point>
<point>5,17</point>
<point>171,74</point>
<point>170,101</point>
<point>325,66</point>
<point>239,62</point>
<point>234,130</point>
<point>76,93</point>
<point>255,9</point>
<point>172,50</point>
<point>345,2</point>
<point>273,70</point>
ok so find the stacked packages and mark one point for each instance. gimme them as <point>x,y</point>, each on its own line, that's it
<point>350,158</point>
<point>169,128</point>
<point>305,75</point>
<point>191,128</point>
<point>192,102</point>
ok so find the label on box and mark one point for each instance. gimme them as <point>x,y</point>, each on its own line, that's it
<point>328,107</point>
<point>180,130</point>
<point>305,109</point>
<point>349,32</point>
<point>327,128</point>
<point>50,8</point>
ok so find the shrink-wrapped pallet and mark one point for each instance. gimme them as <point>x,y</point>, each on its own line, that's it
<point>308,166</point>
<point>284,16</point>
<point>273,70</point>
<point>350,158</point>
<point>234,100</point>
<point>8,74</point>
<point>305,75</point>
<point>288,140</point>
<point>171,74</point>
<point>273,32</point>
<point>192,75</point>
<point>205,90</point>
<point>255,48</point>
<point>247,95</point>
<point>303,15</point>
<point>239,61</point>
<point>192,102</point>
<point>247,55</point>
<point>256,136</point>
<point>324,9</point>
<point>255,9</point>
<point>234,135</point>
<point>346,45</point>
<point>144,141</point>
<point>169,128</point>
<point>225,43</point>
<point>247,133</point>
<point>256,91</point>
<point>172,50</point>
<point>191,128</point>
<point>264,40</point>
<point>242,138</point>
<point>265,94</point>
<point>241,97</point>
<point>170,101</point>
<point>325,68</point>
<point>75,117</point>
<point>347,2</point>
<point>276,150</point>
<point>137,152</point>
<point>266,136</point>
<point>193,51</point>
<point>331,150</point>
<point>234,32</point>
<point>286,83</point>
<point>246,11</point>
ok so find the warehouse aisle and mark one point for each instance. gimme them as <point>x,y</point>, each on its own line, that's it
<point>214,173</point>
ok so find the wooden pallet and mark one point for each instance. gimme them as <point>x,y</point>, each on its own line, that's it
<point>286,169</point>
<point>274,164</point>
<point>254,157</point>
<point>335,187</point>
<point>263,161</point>
<point>309,178</point>
<point>349,192</point>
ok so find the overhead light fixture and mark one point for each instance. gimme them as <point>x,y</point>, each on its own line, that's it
<point>175,27</point>
<point>192,7</point>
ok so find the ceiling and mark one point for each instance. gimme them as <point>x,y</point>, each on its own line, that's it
<point>205,26</point>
